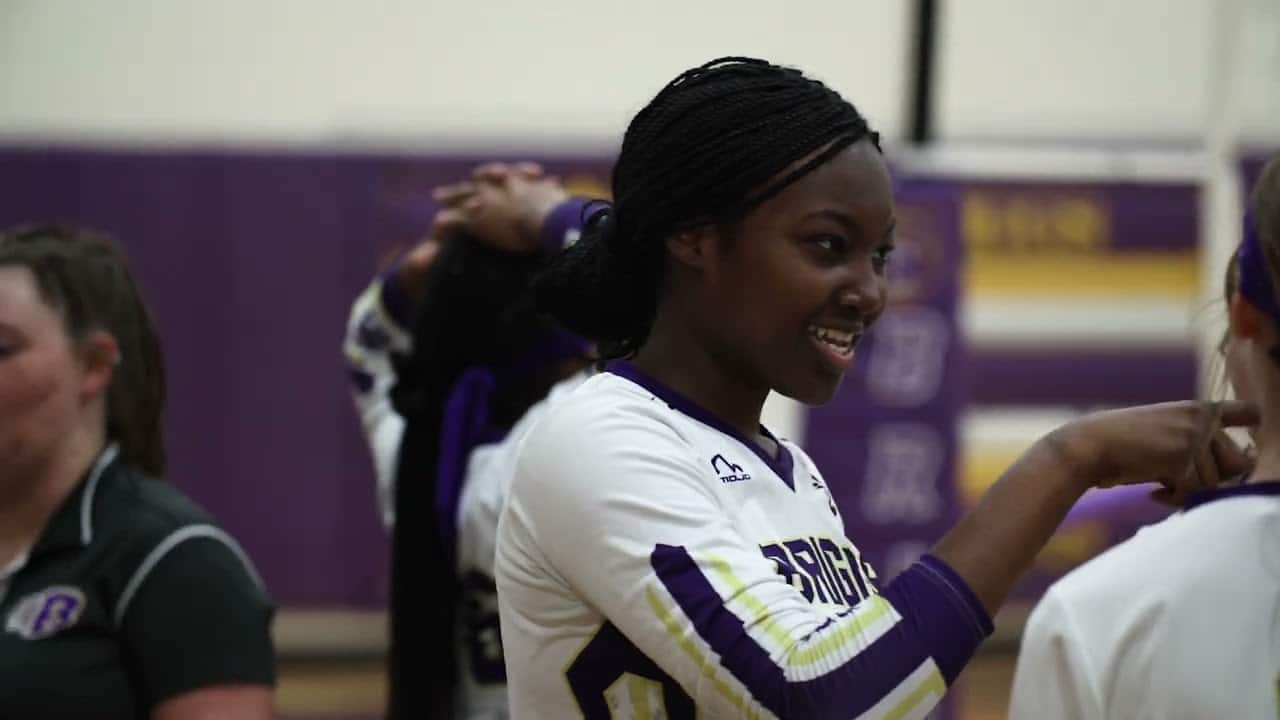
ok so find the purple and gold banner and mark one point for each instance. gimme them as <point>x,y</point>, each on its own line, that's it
<point>1071,248</point>
<point>1107,247</point>
<point>1076,239</point>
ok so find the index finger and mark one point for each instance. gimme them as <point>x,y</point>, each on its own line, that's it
<point>1236,413</point>
<point>454,193</point>
<point>1233,461</point>
<point>494,172</point>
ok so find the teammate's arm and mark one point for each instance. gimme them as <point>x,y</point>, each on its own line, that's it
<point>216,703</point>
<point>636,531</point>
<point>995,543</point>
<point>377,328</point>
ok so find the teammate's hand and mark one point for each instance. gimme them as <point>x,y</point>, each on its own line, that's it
<point>411,272</point>
<point>1178,444</point>
<point>502,205</point>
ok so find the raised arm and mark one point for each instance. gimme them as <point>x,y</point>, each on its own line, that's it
<point>377,330</point>
<point>634,531</point>
<point>1179,444</point>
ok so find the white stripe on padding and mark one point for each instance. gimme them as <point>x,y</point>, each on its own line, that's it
<point>173,540</point>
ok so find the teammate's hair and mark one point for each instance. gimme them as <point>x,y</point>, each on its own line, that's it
<point>714,143</point>
<point>1219,382</point>
<point>1265,204</point>
<point>84,276</point>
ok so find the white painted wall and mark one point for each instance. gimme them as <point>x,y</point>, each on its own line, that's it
<point>1096,70</point>
<point>1088,69</point>
<point>295,70</point>
<point>575,70</point>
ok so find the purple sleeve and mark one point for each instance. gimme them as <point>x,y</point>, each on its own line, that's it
<point>941,612</point>
<point>941,619</point>
<point>564,219</point>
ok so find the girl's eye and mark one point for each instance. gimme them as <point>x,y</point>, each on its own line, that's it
<point>881,258</point>
<point>831,243</point>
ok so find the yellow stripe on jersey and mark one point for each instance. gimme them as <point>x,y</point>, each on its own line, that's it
<point>640,688</point>
<point>865,614</point>
<point>707,666</point>
<point>932,686</point>
<point>846,629</point>
<point>635,691</point>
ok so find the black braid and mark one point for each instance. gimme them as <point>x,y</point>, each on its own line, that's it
<point>712,145</point>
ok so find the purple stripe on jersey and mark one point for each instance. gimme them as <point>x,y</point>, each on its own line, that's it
<point>783,465</point>
<point>565,217</point>
<point>1269,487</point>
<point>936,623</point>
<point>370,336</point>
<point>362,380</point>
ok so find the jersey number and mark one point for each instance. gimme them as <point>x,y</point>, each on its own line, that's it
<point>611,678</point>
<point>484,639</point>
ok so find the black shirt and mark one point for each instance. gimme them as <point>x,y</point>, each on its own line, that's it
<point>130,596</point>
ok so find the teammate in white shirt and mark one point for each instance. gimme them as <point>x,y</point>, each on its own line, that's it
<point>1181,620</point>
<point>661,554</point>
<point>490,208</point>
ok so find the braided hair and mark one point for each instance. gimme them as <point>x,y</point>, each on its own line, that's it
<point>717,141</point>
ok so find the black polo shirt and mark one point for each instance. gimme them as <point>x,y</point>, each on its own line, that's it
<point>130,596</point>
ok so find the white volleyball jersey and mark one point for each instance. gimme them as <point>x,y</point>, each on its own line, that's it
<point>373,333</point>
<point>482,673</point>
<point>1180,621</point>
<point>654,563</point>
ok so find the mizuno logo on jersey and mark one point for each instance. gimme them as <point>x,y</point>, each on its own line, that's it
<point>831,500</point>
<point>728,472</point>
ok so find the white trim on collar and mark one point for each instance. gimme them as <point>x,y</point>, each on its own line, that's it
<point>91,487</point>
<point>8,571</point>
<point>13,567</point>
